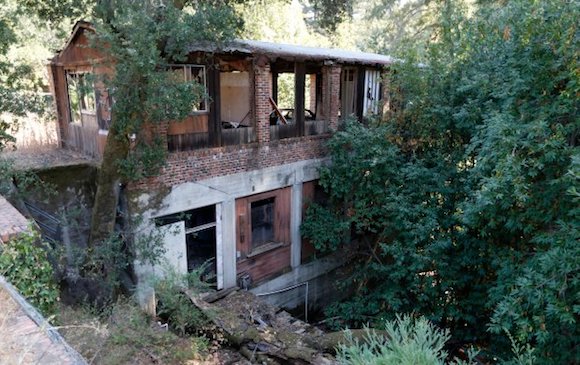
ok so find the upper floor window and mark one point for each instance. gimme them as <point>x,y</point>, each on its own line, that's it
<point>81,95</point>
<point>196,73</point>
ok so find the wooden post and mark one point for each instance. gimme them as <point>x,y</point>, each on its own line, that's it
<point>275,86</point>
<point>214,120</point>
<point>299,83</point>
<point>360,93</point>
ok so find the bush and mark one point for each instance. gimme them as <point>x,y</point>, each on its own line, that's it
<point>175,306</point>
<point>25,265</point>
<point>409,341</point>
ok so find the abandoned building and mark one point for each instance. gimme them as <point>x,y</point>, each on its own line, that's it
<point>243,166</point>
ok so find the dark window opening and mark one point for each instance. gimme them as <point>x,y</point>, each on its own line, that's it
<point>200,239</point>
<point>262,212</point>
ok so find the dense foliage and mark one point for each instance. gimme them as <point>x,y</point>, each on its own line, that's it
<point>25,265</point>
<point>463,206</point>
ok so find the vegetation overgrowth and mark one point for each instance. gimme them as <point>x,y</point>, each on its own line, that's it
<point>408,341</point>
<point>24,263</point>
<point>463,204</point>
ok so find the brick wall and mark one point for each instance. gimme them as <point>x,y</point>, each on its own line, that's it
<point>203,164</point>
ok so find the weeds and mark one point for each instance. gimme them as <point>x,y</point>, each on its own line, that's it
<point>123,334</point>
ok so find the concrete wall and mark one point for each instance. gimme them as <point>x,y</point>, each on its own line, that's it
<point>321,276</point>
<point>221,191</point>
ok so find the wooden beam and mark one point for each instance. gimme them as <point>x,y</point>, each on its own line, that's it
<point>275,106</point>
<point>275,86</point>
<point>360,93</point>
<point>214,120</point>
<point>299,83</point>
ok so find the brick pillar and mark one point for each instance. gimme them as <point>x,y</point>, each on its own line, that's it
<point>312,91</point>
<point>331,94</point>
<point>263,91</point>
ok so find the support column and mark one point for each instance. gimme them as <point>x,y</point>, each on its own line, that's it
<point>228,242</point>
<point>295,221</point>
<point>262,94</point>
<point>331,93</point>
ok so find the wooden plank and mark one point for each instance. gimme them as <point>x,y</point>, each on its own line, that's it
<point>275,106</point>
<point>266,265</point>
<point>197,123</point>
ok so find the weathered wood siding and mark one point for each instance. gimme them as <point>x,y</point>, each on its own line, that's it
<point>77,56</point>
<point>270,259</point>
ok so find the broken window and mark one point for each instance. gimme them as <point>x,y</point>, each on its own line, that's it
<point>104,108</point>
<point>81,96</point>
<point>262,213</point>
<point>360,92</point>
<point>297,100</point>
<point>235,106</point>
<point>200,239</point>
<point>195,73</point>
<point>372,92</point>
<point>348,92</point>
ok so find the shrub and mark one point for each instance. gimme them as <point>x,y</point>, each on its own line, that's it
<point>408,341</point>
<point>25,265</point>
<point>175,306</point>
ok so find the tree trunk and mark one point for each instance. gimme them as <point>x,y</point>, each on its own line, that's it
<point>107,196</point>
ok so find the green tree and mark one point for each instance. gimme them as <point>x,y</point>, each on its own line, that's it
<point>461,204</point>
<point>140,39</point>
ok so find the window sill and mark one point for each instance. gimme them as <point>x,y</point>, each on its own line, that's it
<point>264,248</point>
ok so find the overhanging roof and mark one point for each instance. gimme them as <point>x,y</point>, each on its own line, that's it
<point>273,50</point>
<point>289,51</point>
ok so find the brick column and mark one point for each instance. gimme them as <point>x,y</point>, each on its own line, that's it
<point>331,94</point>
<point>263,91</point>
<point>334,96</point>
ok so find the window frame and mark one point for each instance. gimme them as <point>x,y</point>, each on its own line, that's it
<point>187,77</point>
<point>252,248</point>
<point>83,97</point>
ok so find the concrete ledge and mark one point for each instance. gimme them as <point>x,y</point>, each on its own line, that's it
<point>30,335</point>
<point>12,223</point>
<point>319,275</point>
